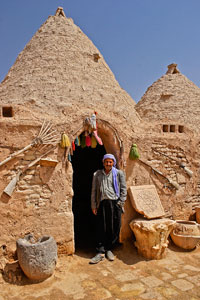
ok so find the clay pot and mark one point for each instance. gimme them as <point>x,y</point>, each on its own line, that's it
<point>37,259</point>
<point>185,241</point>
<point>197,209</point>
<point>185,228</point>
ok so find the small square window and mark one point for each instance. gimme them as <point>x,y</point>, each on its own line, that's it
<point>7,112</point>
<point>165,128</point>
<point>172,128</point>
<point>180,128</point>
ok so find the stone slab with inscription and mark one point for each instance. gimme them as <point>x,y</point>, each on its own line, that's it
<point>145,200</point>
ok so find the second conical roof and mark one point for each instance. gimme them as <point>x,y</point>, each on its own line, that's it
<point>172,97</point>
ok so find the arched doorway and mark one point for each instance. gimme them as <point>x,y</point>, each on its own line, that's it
<point>85,161</point>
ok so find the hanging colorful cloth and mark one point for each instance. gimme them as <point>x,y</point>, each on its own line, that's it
<point>71,151</point>
<point>77,141</point>
<point>88,141</point>
<point>134,154</point>
<point>93,120</point>
<point>65,142</point>
<point>93,142</point>
<point>73,146</point>
<point>83,144</point>
<point>69,157</point>
<point>97,138</point>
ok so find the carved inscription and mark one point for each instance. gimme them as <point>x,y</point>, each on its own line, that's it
<point>145,200</point>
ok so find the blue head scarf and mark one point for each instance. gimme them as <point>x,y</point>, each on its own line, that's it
<point>114,172</point>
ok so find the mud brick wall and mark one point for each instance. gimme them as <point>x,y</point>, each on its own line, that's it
<point>41,201</point>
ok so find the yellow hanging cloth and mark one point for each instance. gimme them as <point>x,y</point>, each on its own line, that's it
<point>65,142</point>
<point>93,142</point>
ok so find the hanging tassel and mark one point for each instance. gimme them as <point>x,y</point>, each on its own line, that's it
<point>93,121</point>
<point>93,142</point>
<point>77,141</point>
<point>69,157</point>
<point>73,146</point>
<point>83,144</point>
<point>134,154</point>
<point>88,141</point>
<point>97,138</point>
<point>65,142</point>
<point>71,151</point>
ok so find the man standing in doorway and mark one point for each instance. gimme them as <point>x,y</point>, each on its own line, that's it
<point>107,201</point>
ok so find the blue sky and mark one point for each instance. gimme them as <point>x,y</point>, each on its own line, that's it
<point>137,38</point>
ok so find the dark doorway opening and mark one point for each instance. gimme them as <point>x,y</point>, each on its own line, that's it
<point>85,161</point>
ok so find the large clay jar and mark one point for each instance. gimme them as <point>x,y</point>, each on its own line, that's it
<point>197,209</point>
<point>187,228</point>
<point>186,234</point>
<point>187,242</point>
<point>152,236</point>
<point>37,259</point>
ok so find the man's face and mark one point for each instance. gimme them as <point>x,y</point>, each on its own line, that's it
<point>108,163</point>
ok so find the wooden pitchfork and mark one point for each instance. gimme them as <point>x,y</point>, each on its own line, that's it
<point>12,184</point>
<point>46,136</point>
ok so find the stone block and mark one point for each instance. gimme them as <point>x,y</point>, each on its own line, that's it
<point>152,236</point>
<point>145,200</point>
<point>182,285</point>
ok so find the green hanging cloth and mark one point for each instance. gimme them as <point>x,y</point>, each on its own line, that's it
<point>134,154</point>
<point>69,157</point>
<point>93,142</point>
<point>83,143</point>
<point>77,141</point>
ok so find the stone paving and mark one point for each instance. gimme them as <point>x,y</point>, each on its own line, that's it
<point>129,277</point>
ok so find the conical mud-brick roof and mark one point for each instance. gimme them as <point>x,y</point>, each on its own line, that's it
<point>172,97</point>
<point>60,72</point>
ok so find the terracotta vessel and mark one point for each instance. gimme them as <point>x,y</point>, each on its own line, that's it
<point>197,209</point>
<point>186,234</point>
<point>187,228</point>
<point>187,242</point>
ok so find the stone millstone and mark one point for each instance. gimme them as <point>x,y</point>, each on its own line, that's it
<point>37,260</point>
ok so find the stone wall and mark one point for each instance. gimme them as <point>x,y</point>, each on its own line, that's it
<point>178,203</point>
<point>42,200</point>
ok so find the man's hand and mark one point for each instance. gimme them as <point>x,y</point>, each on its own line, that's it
<point>94,210</point>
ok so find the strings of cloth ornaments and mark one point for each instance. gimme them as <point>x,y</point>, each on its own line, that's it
<point>89,138</point>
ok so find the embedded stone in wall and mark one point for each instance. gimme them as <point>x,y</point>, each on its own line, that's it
<point>145,200</point>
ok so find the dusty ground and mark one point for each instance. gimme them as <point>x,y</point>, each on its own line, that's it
<point>130,276</point>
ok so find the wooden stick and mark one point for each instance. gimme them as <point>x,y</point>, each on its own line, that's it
<point>180,164</point>
<point>12,184</point>
<point>52,138</point>
<point>44,137</point>
<point>49,134</point>
<point>15,154</point>
<point>46,130</point>
<point>41,129</point>
<point>173,183</point>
